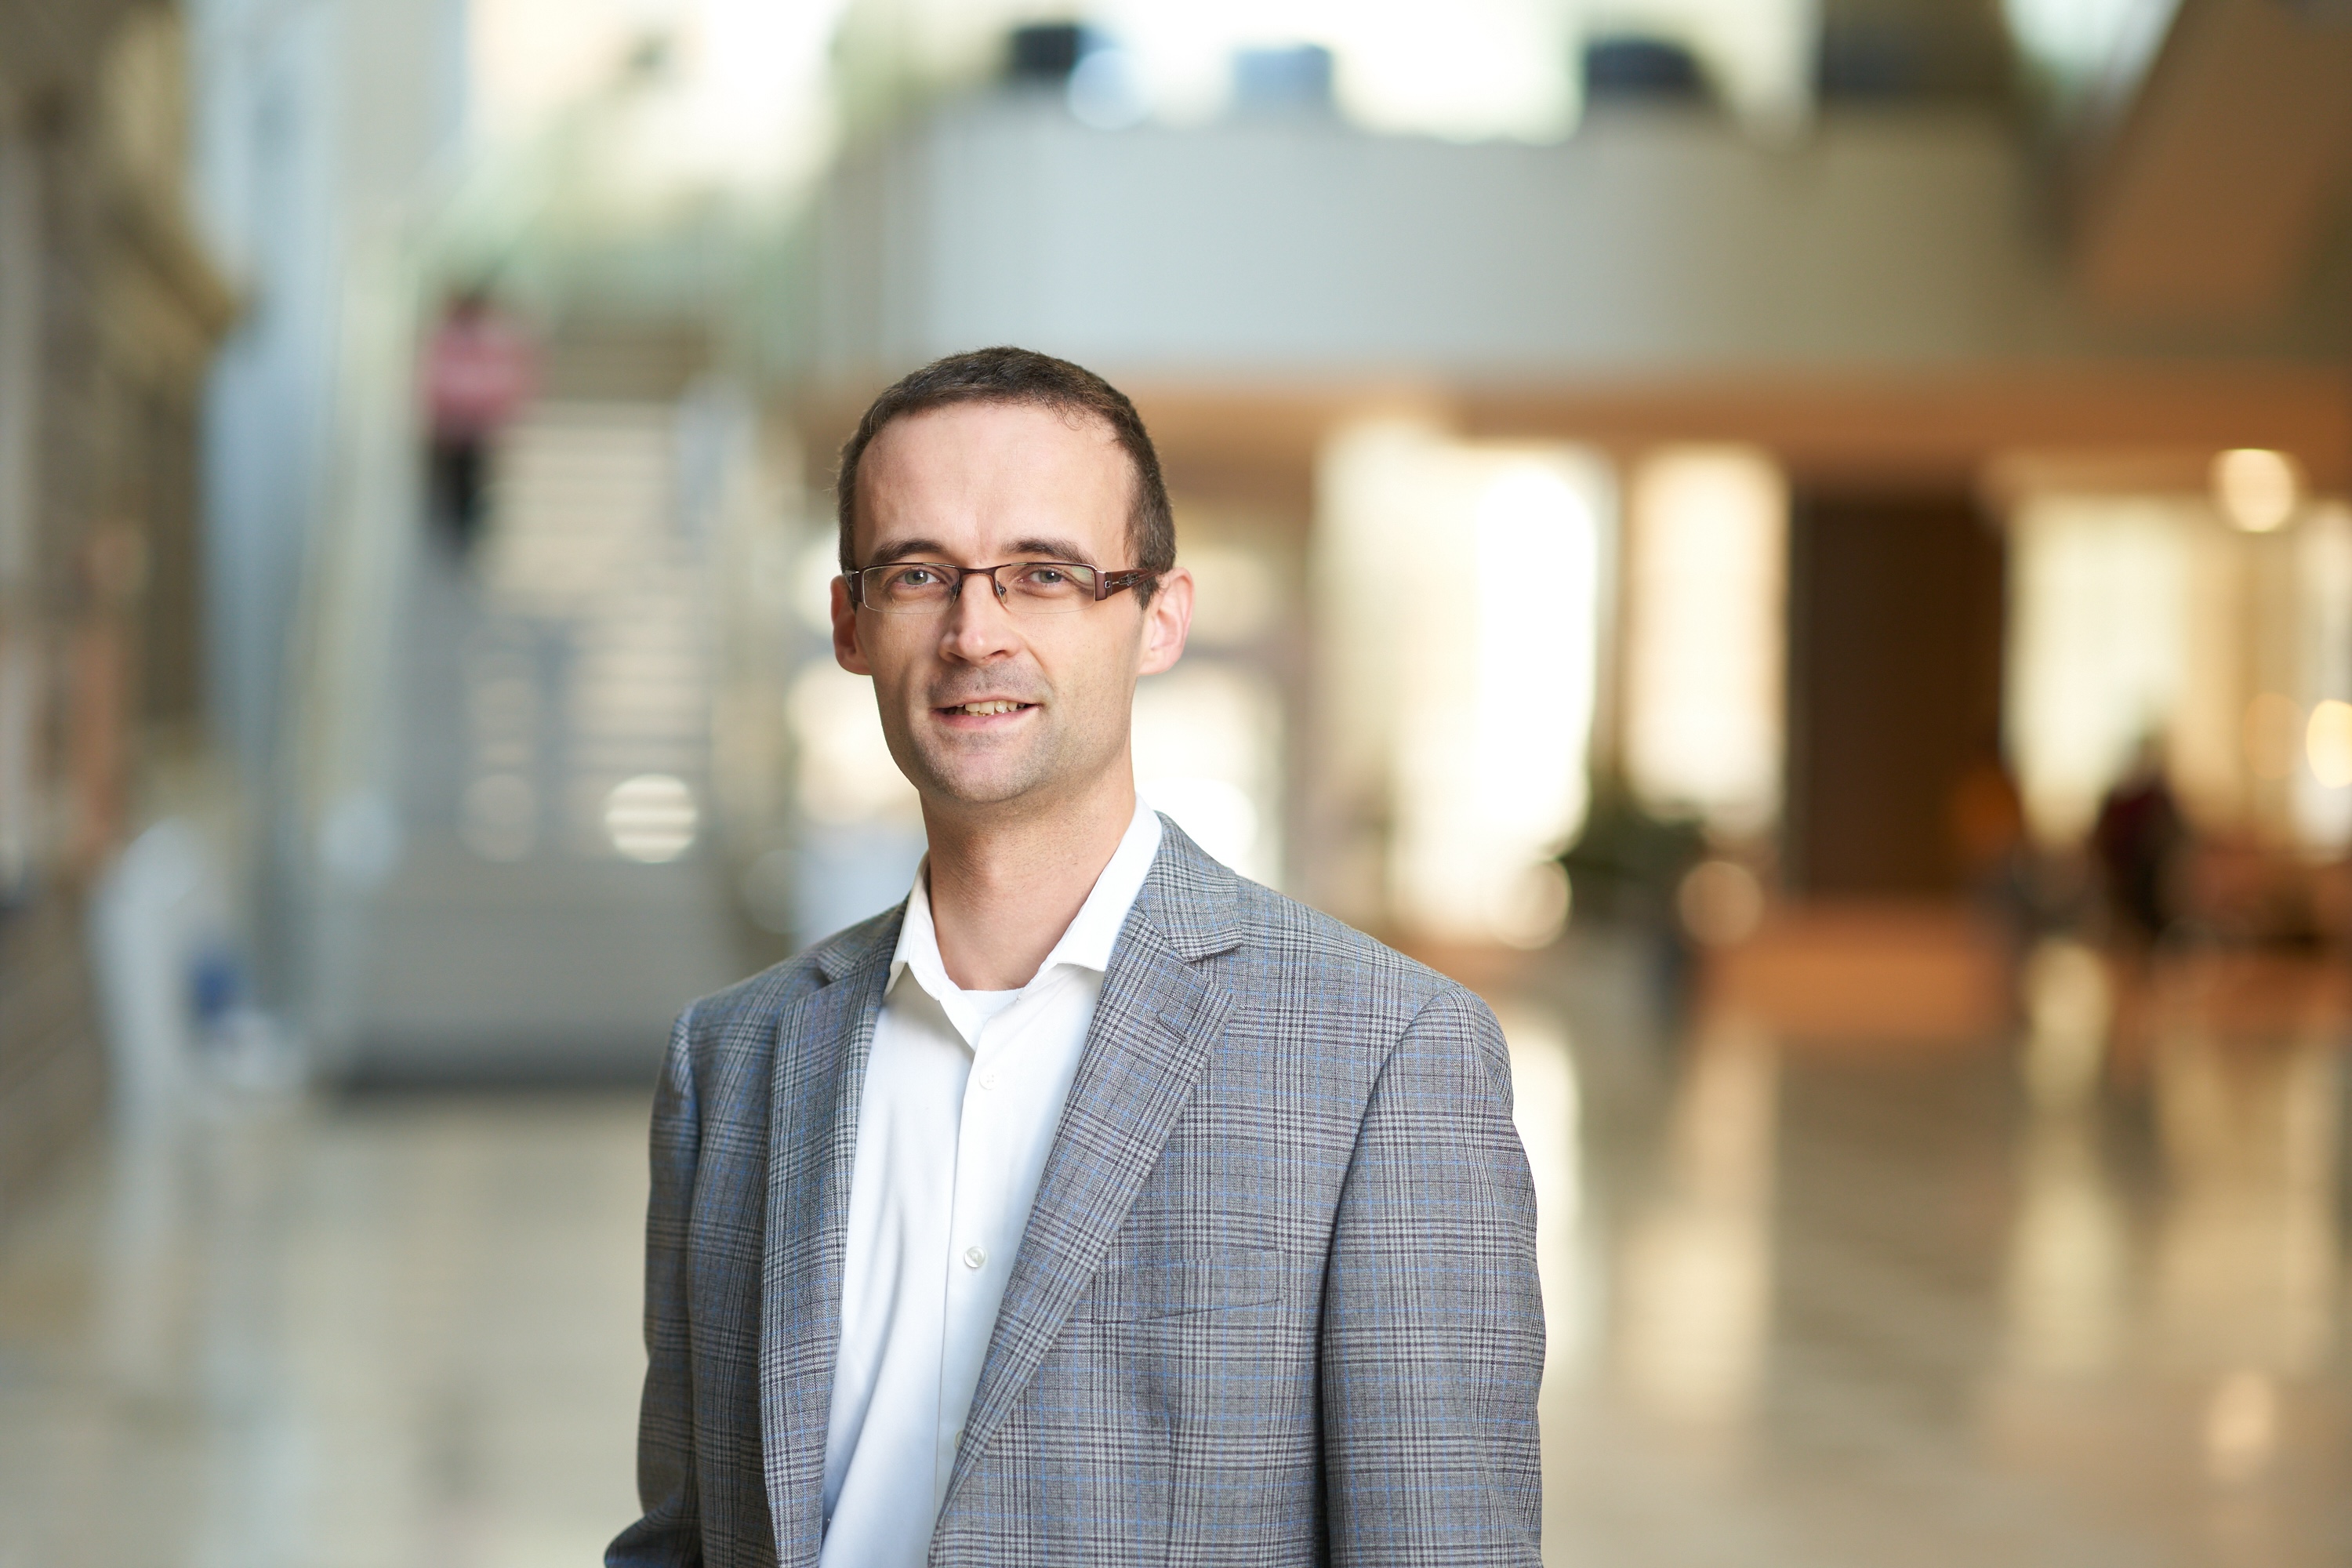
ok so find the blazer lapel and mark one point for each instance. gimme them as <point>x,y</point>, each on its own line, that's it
<point>822,1044</point>
<point>1155,1025</point>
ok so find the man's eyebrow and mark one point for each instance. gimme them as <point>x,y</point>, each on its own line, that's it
<point>932,549</point>
<point>1053,550</point>
<point>900,550</point>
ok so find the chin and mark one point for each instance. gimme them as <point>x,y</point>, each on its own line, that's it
<point>969,785</point>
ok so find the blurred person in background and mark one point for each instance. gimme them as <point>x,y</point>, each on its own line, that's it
<point>1094,1203</point>
<point>2139,839</point>
<point>478,372</point>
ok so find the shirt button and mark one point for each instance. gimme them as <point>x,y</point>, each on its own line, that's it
<point>974,1257</point>
<point>988,1079</point>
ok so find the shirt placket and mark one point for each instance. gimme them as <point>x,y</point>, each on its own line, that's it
<point>980,1250</point>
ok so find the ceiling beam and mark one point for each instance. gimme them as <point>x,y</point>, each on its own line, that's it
<point>2207,200</point>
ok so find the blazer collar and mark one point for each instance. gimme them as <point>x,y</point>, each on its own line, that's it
<point>1189,898</point>
<point>846,951</point>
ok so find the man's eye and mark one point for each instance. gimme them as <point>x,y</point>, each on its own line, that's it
<point>1047,577</point>
<point>917,577</point>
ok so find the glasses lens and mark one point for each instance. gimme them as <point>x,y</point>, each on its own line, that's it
<point>910,587</point>
<point>1047,587</point>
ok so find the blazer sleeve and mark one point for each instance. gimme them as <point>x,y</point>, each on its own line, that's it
<point>670,1532</point>
<point>1432,1351</point>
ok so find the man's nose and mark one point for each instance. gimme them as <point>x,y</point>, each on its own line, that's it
<point>978,626</point>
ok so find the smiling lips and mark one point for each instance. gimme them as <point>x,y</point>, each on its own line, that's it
<point>988,707</point>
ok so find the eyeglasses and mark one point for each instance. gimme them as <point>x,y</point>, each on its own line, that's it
<point>1023,587</point>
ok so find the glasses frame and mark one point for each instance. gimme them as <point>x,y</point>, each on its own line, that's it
<point>1105,582</point>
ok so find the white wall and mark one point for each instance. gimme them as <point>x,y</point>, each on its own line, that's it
<point>1649,242</point>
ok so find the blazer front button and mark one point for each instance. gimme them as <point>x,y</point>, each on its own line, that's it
<point>973,1257</point>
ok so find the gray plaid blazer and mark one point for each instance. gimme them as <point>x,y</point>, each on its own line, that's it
<point>1276,1302</point>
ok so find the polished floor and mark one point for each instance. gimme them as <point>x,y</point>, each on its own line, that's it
<point>1820,1303</point>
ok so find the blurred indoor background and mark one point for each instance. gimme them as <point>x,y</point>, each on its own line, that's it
<point>1801,546</point>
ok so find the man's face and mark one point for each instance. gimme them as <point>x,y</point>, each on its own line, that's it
<point>978,484</point>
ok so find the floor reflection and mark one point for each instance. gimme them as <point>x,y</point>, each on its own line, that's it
<point>2069,1268</point>
<point>2072,1299</point>
<point>1696,1286</point>
<point>399,1333</point>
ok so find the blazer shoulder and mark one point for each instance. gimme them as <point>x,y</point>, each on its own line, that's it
<point>760,998</point>
<point>1324,953</point>
<point>1304,964</point>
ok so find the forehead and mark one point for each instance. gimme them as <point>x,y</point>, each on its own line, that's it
<point>973,472</point>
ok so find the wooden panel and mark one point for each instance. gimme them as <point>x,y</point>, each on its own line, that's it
<point>1894,686</point>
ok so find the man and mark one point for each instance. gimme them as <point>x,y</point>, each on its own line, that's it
<point>1095,1206</point>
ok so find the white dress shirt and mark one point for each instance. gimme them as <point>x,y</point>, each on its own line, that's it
<point>964,1095</point>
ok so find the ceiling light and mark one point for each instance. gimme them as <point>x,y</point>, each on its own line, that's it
<point>2258,491</point>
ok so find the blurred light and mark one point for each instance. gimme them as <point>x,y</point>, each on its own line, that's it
<point>1489,760</point>
<point>1721,903</point>
<point>1705,636</point>
<point>2083,43</point>
<point>2099,630</point>
<point>1105,91</point>
<point>1493,68</point>
<point>2327,742</point>
<point>2323,582</point>
<point>2069,1270</point>
<point>1698,1262</point>
<point>2258,491</point>
<point>740,97</point>
<point>1487,69</point>
<point>1537,571</point>
<point>651,817</point>
<point>499,817</point>
<point>2273,726</point>
<point>1547,1109</point>
<point>2068,1003</point>
<point>1457,605</point>
<point>2240,1426</point>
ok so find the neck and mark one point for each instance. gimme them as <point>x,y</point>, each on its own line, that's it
<point>1005,884</point>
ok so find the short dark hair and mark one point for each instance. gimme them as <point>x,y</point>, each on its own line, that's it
<point>1022,375</point>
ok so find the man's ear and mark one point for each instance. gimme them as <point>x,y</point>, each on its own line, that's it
<point>846,651</point>
<point>1167,621</point>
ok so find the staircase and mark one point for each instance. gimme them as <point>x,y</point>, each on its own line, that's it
<point>555,900</point>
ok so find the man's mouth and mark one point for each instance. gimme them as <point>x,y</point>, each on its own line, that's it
<point>988,706</point>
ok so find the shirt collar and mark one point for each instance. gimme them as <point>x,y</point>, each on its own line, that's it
<point>1086,943</point>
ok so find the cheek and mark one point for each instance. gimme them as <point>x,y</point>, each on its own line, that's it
<point>898,688</point>
<point>1099,683</point>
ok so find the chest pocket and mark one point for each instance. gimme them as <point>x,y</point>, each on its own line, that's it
<point>1139,1287</point>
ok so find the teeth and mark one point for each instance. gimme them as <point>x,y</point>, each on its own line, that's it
<point>998,705</point>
